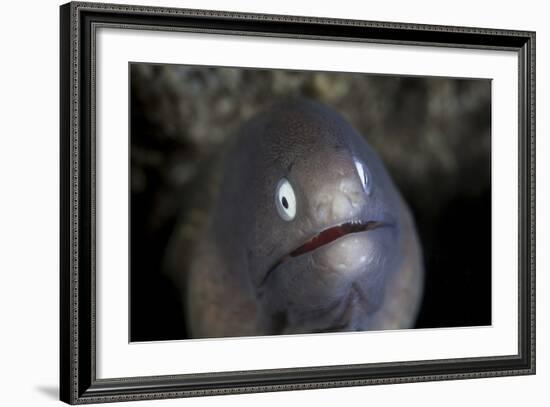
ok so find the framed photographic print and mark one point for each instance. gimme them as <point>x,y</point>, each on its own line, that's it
<point>257,203</point>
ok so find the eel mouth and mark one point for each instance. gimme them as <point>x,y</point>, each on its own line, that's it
<point>331,234</point>
<point>325,237</point>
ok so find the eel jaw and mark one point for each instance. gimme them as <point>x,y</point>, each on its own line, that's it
<point>333,233</point>
<point>325,237</point>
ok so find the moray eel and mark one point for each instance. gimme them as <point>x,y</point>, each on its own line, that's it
<point>307,233</point>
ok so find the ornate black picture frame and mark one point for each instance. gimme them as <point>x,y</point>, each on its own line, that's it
<point>78,381</point>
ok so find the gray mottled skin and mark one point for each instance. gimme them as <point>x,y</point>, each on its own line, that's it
<point>236,283</point>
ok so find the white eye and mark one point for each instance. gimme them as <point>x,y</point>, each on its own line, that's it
<point>363,175</point>
<point>285,200</point>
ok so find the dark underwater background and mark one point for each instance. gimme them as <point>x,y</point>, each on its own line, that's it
<point>433,134</point>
